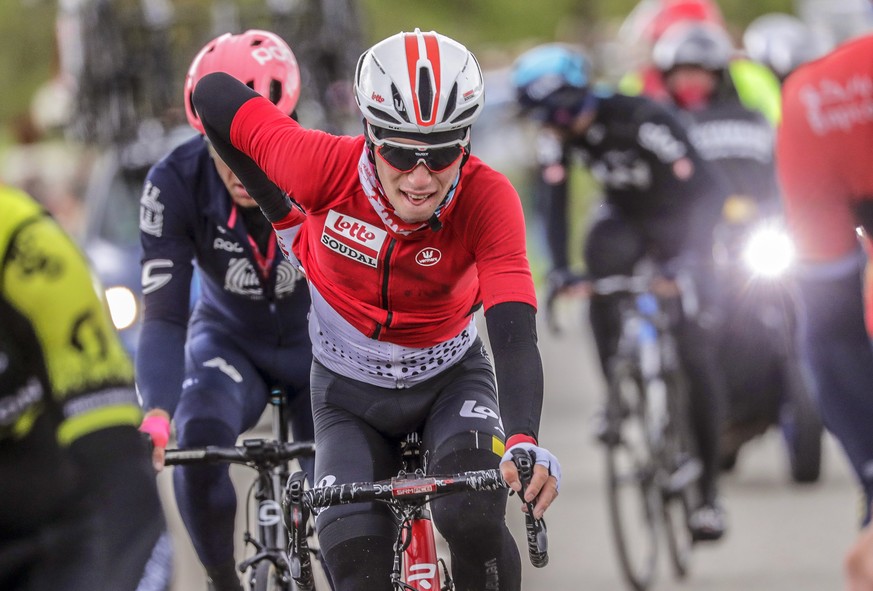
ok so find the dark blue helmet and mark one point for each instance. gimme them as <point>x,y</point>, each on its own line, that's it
<point>552,82</point>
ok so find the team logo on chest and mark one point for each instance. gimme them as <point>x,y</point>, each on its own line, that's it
<point>353,238</point>
<point>427,257</point>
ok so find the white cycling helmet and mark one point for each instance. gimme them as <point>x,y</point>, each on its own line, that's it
<point>781,41</point>
<point>701,44</point>
<point>419,83</point>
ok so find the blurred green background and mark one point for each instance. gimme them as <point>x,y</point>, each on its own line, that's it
<point>489,27</point>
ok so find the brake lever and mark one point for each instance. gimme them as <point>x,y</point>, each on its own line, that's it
<point>535,529</point>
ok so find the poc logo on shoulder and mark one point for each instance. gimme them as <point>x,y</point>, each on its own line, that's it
<point>427,257</point>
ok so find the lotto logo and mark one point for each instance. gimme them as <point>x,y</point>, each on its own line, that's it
<point>353,238</point>
<point>355,229</point>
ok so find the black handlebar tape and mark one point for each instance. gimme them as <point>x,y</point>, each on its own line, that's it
<point>296,517</point>
<point>535,529</point>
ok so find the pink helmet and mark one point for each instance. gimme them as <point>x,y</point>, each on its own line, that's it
<point>676,11</point>
<point>260,59</point>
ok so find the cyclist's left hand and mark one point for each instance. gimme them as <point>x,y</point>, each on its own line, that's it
<point>156,424</point>
<point>543,486</point>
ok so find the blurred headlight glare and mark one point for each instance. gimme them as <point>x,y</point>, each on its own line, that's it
<point>122,306</point>
<point>769,251</point>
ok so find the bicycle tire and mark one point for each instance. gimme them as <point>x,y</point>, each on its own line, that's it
<point>676,511</point>
<point>679,454</point>
<point>634,498</point>
<point>801,426</point>
<point>268,578</point>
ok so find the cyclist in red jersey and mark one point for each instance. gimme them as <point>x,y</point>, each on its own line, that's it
<point>823,152</point>
<point>406,236</point>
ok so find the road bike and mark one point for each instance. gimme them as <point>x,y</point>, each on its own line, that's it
<point>268,569</point>
<point>416,566</point>
<point>652,465</point>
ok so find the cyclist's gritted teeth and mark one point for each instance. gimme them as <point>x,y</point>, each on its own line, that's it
<point>417,198</point>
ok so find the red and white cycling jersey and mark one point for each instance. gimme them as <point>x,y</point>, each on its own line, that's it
<point>824,148</point>
<point>415,290</point>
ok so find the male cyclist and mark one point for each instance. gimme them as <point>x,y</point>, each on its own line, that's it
<point>406,236</point>
<point>247,334</point>
<point>756,86</point>
<point>782,42</point>
<point>661,199</point>
<point>764,373</point>
<point>693,60</point>
<point>79,508</point>
<point>822,158</point>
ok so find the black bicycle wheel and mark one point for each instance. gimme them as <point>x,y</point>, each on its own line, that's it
<point>801,426</point>
<point>633,496</point>
<point>268,578</point>
<point>681,473</point>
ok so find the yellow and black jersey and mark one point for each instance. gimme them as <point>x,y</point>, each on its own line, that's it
<point>59,353</point>
<point>73,465</point>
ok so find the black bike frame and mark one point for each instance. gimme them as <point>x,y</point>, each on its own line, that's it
<point>270,458</point>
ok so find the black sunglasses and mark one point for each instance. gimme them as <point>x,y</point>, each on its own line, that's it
<point>405,157</point>
<point>560,107</point>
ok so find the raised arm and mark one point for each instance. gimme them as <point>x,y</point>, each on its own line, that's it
<point>217,99</point>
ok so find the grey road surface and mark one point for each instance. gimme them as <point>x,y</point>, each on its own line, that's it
<point>782,537</point>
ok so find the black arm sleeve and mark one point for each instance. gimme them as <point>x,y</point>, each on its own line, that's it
<point>553,199</point>
<point>512,331</point>
<point>217,99</point>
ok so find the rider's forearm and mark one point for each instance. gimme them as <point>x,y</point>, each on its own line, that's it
<point>160,364</point>
<point>513,336</point>
<point>217,98</point>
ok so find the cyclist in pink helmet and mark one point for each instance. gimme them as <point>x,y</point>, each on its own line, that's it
<point>211,376</point>
<point>260,59</point>
<point>406,236</point>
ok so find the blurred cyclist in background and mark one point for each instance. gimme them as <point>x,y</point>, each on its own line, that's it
<point>755,85</point>
<point>782,42</point>
<point>693,59</point>
<point>823,149</point>
<point>213,374</point>
<point>661,199</point>
<point>767,380</point>
<point>407,235</point>
<point>79,508</point>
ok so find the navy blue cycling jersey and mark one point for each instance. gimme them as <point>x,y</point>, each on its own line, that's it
<point>641,156</point>
<point>255,295</point>
<point>740,142</point>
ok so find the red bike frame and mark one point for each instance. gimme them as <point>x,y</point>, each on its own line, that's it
<point>420,562</point>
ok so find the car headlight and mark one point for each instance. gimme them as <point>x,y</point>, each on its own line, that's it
<point>768,251</point>
<point>122,306</point>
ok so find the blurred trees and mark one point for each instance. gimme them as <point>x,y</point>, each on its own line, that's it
<point>491,28</point>
<point>27,56</point>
